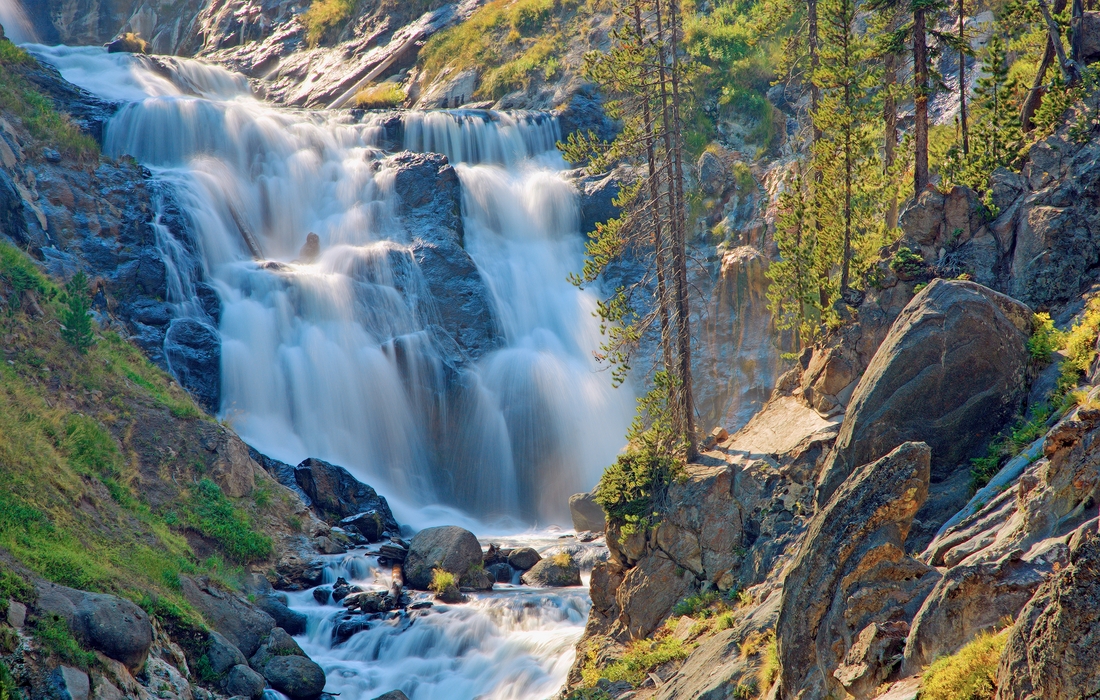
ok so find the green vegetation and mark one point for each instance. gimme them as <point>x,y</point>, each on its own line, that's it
<point>1045,340</point>
<point>76,324</point>
<point>969,674</point>
<point>769,670</point>
<point>380,96</point>
<point>8,689</point>
<point>641,657</point>
<point>442,580</point>
<point>324,15</point>
<point>36,111</point>
<point>53,635</point>
<point>1079,348</point>
<point>562,559</point>
<point>210,512</point>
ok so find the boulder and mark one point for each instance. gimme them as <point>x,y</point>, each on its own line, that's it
<point>107,623</point>
<point>243,681</point>
<point>1052,652</point>
<point>393,695</point>
<point>70,683</point>
<point>524,558</point>
<point>448,547</point>
<point>290,620</point>
<point>550,573</point>
<point>193,351</point>
<point>584,113</point>
<point>587,514</point>
<point>370,525</point>
<point>958,351</point>
<point>128,43</point>
<point>852,572</point>
<point>222,654</point>
<point>596,196</point>
<point>336,494</point>
<point>241,624</point>
<point>278,644</point>
<point>714,173</point>
<point>500,572</point>
<point>311,249</point>
<point>233,469</point>
<point>295,676</point>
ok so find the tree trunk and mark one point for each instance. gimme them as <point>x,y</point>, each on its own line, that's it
<point>1035,94</point>
<point>962,79</point>
<point>890,132</point>
<point>920,101</point>
<point>1076,26</point>
<point>1070,72</point>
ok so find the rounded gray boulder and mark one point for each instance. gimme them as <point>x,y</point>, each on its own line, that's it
<point>553,573</point>
<point>295,676</point>
<point>243,681</point>
<point>448,547</point>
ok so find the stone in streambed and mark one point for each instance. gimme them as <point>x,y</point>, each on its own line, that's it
<point>295,676</point>
<point>243,681</point>
<point>336,494</point>
<point>524,558</point>
<point>450,548</point>
<point>393,695</point>
<point>587,514</point>
<point>553,574</point>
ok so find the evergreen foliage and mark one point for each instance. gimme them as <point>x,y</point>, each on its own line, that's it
<point>75,321</point>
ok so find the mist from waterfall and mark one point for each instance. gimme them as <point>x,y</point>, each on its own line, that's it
<point>336,358</point>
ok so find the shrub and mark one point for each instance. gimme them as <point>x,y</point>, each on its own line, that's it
<point>8,689</point>
<point>441,581</point>
<point>641,657</point>
<point>969,674</point>
<point>697,605</point>
<point>1079,347</point>
<point>769,670</point>
<point>76,324</point>
<point>756,642</point>
<point>211,513</point>
<point>562,559</point>
<point>1045,339</point>
<point>907,263</point>
<point>381,96</point>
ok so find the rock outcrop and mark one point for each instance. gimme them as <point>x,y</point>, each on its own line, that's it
<point>1051,651</point>
<point>959,352</point>
<point>335,494</point>
<point>106,623</point>
<point>587,515</point>
<point>852,573</point>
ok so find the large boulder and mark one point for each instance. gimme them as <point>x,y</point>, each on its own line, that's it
<point>1052,652</point>
<point>106,623</point>
<point>336,494</point>
<point>951,372</point>
<point>193,351</point>
<point>587,514</point>
<point>552,573</point>
<point>448,547</point>
<point>242,625</point>
<point>851,574</point>
<point>298,677</point>
<point>241,681</point>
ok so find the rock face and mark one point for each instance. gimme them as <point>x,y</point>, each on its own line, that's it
<point>587,514</point>
<point>448,547</point>
<point>243,626</point>
<point>336,494</point>
<point>116,627</point>
<point>549,573</point>
<point>959,351</point>
<point>1051,651</point>
<point>295,676</point>
<point>852,572</point>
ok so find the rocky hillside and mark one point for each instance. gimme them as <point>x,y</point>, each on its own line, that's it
<point>914,510</point>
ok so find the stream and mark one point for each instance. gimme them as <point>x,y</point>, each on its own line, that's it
<point>342,355</point>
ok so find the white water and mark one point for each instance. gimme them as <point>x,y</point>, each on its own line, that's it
<point>332,360</point>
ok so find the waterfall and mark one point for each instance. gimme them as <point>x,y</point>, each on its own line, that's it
<point>341,357</point>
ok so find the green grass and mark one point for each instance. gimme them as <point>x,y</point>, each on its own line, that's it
<point>441,581</point>
<point>381,96</point>
<point>8,689</point>
<point>969,674</point>
<point>698,605</point>
<point>641,657</point>
<point>1045,340</point>
<point>324,15</point>
<point>36,111</point>
<point>209,511</point>
<point>53,636</point>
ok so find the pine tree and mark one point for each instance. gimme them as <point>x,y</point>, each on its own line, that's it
<point>76,323</point>
<point>792,295</point>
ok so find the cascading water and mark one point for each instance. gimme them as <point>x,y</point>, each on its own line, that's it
<point>338,356</point>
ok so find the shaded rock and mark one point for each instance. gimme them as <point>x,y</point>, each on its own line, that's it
<point>958,350</point>
<point>586,513</point>
<point>584,113</point>
<point>714,173</point>
<point>322,594</point>
<point>107,623</point>
<point>393,695</point>
<point>448,547</point>
<point>370,525</point>
<point>326,545</point>
<point>241,624</point>
<point>596,195</point>
<point>872,658</point>
<point>279,644</point>
<point>524,558</point>
<point>311,249</point>
<point>295,676</point>
<point>70,683</point>
<point>501,572</point>
<point>336,494</point>
<point>243,681</point>
<point>1052,652</point>
<point>550,573</point>
<point>290,620</point>
<point>193,351</point>
<point>128,43</point>
<point>852,571</point>
<point>222,654</point>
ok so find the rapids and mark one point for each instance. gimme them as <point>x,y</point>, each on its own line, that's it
<point>335,359</point>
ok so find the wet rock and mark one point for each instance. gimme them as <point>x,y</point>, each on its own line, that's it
<point>851,572</point>
<point>322,594</point>
<point>193,351</point>
<point>958,350</point>
<point>370,525</point>
<point>311,249</point>
<point>128,43</point>
<point>596,195</point>
<point>243,681</point>
<point>448,547</point>
<point>524,558</point>
<point>584,113</point>
<point>326,545</point>
<point>393,695</point>
<point>241,624</point>
<point>279,644</point>
<point>342,589</point>
<point>290,620</point>
<point>500,572</point>
<point>586,513</point>
<point>112,625</point>
<point>1052,652</point>
<point>295,676</point>
<point>336,494</point>
<point>553,573</point>
<point>451,595</point>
